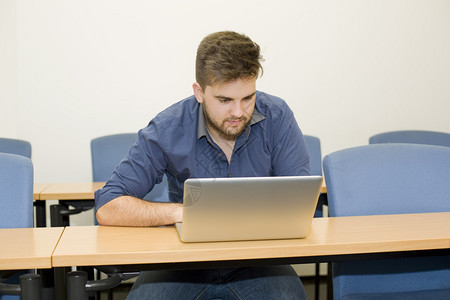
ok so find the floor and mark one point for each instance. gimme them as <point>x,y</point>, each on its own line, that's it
<point>121,292</point>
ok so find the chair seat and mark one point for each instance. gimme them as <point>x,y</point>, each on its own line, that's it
<point>439,294</point>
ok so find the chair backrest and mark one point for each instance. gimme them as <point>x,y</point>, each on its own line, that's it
<point>16,191</point>
<point>366,180</point>
<point>389,179</point>
<point>412,137</point>
<point>14,146</point>
<point>315,153</point>
<point>108,151</point>
<point>315,160</point>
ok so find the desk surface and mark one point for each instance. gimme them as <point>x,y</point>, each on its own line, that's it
<point>323,189</point>
<point>38,188</point>
<point>70,191</point>
<point>102,245</point>
<point>77,191</point>
<point>28,248</point>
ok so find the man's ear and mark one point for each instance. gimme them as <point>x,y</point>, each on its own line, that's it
<point>198,92</point>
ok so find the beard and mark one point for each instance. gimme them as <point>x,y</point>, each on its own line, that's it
<point>226,131</point>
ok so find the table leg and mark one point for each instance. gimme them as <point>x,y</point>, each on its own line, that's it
<point>48,283</point>
<point>60,282</point>
<point>40,213</point>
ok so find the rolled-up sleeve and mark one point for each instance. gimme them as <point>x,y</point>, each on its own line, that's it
<point>140,170</point>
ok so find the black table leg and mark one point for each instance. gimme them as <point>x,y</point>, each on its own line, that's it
<point>40,213</point>
<point>60,282</point>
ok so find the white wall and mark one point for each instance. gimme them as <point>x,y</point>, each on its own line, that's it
<point>8,69</point>
<point>75,70</point>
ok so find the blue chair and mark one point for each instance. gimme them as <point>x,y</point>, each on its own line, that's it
<point>16,204</point>
<point>16,191</point>
<point>106,154</point>
<point>389,179</point>
<point>108,151</point>
<point>315,154</point>
<point>413,137</point>
<point>14,146</point>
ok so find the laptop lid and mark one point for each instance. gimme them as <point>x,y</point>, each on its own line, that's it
<point>248,208</point>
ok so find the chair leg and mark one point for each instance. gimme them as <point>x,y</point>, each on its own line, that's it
<point>90,273</point>
<point>30,287</point>
<point>76,285</point>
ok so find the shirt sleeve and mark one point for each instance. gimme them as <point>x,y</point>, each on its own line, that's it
<point>140,170</point>
<point>290,155</point>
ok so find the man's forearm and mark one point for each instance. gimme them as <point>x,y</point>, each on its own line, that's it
<point>130,211</point>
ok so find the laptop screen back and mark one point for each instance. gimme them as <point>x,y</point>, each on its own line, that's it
<point>248,208</point>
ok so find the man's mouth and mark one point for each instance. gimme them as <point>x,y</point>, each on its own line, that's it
<point>234,122</point>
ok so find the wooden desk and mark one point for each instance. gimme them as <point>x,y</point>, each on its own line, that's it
<point>62,191</point>
<point>73,192</point>
<point>323,189</point>
<point>38,188</point>
<point>77,191</point>
<point>102,245</point>
<point>28,248</point>
<point>70,191</point>
<point>40,206</point>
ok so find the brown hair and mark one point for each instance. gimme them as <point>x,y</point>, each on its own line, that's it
<point>226,56</point>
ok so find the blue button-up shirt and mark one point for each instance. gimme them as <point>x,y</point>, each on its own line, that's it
<point>176,143</point>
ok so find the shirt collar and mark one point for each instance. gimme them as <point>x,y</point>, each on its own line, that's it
<point>201,125</point>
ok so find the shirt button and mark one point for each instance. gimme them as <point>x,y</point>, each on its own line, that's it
<point>219,154</point>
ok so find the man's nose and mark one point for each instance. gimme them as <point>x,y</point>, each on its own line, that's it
<point>237,109</point>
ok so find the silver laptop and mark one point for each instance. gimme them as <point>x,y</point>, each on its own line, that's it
<point>248,208</point>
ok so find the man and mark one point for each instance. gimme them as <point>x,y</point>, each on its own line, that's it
<point>226,129</point>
